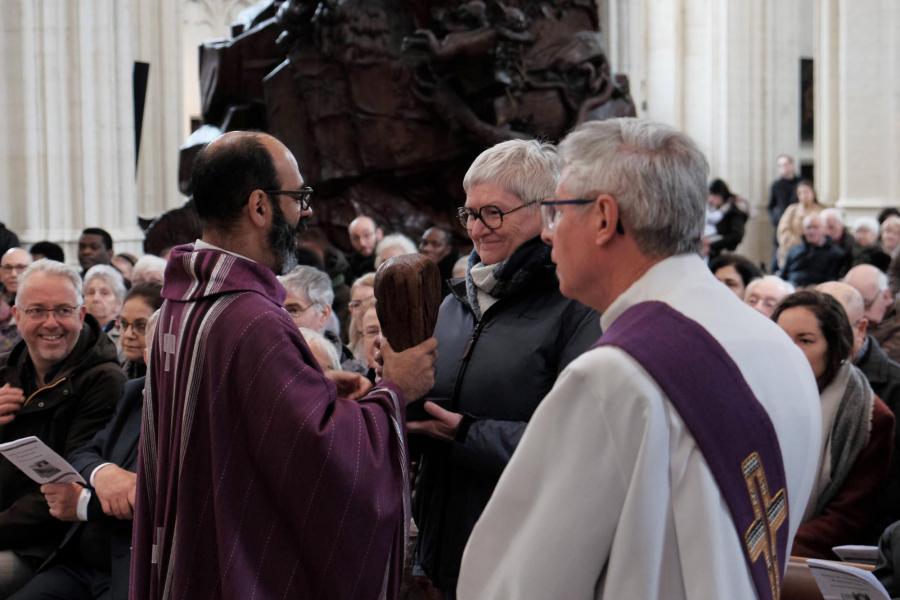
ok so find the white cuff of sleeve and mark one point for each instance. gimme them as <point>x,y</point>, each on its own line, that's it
<point>94,473</point>
<point>81,510</point>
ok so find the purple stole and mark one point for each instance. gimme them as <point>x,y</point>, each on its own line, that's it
<point>730,426</point>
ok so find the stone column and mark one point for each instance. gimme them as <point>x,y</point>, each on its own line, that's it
<point>165,125</point>
<point>858,104</point>
<point>727,73</point>
<point>66,145</point>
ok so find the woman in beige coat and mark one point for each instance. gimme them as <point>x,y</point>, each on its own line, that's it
<point>790,227</point>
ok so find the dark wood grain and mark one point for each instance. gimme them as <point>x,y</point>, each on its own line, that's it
<point>408,296</point>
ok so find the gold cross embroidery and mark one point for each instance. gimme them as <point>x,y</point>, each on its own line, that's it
<point>769,514</point>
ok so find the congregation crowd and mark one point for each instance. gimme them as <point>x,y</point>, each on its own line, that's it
<point>75,345</point>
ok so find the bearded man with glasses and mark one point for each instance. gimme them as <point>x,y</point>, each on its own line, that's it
<point>504,333</point>
<point>60,383</point>
<point>258,473</point>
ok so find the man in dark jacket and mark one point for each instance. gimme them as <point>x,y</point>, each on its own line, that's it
<point>782,192</point>
<point>504,335</point>
<point>883,376</point>
<point>95,555</point>
<point>60,384</point>
<point>814,260</point>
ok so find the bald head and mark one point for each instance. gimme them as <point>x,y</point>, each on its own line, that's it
<point>13,262</point>
<point>364,235</point>
<point>251,198</point>
<point>231,168</point>
<point>848,296</point>
<point>852,301</point>
<point>872,284</point>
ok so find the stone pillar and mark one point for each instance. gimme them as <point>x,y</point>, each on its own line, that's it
<point>158,42</point>
<point>726,73</point>
<point>66,145</point>
<point>858,105</point>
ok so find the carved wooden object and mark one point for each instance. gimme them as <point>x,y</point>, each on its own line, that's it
<point>408,296</point>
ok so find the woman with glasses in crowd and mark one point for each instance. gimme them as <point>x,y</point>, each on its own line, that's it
<point>142,301</point>
<point>504,334</point>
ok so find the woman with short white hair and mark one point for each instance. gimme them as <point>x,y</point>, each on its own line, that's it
<point>104,293</point>
<point>504,334</point>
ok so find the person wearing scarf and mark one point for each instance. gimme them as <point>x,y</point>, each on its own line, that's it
<point>504,334</point>
<point>858,428</point>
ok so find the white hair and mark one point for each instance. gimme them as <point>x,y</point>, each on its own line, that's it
<point>310,282</point>
<point>145,265</point>
<point>51,267</point>
<point>832,212</point>
<point>866,224</point>
<point>786,286</point>
<point>111,276</point>
<point>656,174</point>
<point>395,240</point>
<point>810,218</point>
<point>528,169</point>
<point>314,338</point>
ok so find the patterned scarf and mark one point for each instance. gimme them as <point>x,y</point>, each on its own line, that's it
<point>486,284</point>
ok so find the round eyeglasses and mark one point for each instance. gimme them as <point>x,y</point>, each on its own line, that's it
<point>491,216</point>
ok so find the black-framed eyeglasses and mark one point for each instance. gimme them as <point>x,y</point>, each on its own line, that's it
<point>138,325</point>
<point>490,215</point>
<point>303,196</point>
<point>550,214</point>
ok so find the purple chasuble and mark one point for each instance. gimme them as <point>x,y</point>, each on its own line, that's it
<point>255,480</point>
<point>730,426</point>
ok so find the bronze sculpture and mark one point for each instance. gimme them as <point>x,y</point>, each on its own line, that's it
<point>386,102</point>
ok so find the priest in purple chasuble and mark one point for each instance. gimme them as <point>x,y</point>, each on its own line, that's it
<point>257,478</point>
<point>673,460</point>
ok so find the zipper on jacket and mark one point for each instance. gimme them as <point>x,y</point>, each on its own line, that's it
<point>42,389</point>
<point>467,353</point>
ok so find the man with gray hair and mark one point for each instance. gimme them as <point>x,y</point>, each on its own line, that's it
<point>664,463</point>
<point>309,297</point>
<point>872,284</point>
<point>308,302</point>
<point>60,384</point>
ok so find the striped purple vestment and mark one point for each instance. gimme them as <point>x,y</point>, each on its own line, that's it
<point>255,480</point>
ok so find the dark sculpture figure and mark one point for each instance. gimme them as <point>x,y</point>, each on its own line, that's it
<point>386,102</point>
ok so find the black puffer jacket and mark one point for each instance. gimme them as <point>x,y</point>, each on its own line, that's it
<point>496,372</point>
<point>64,414</point>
